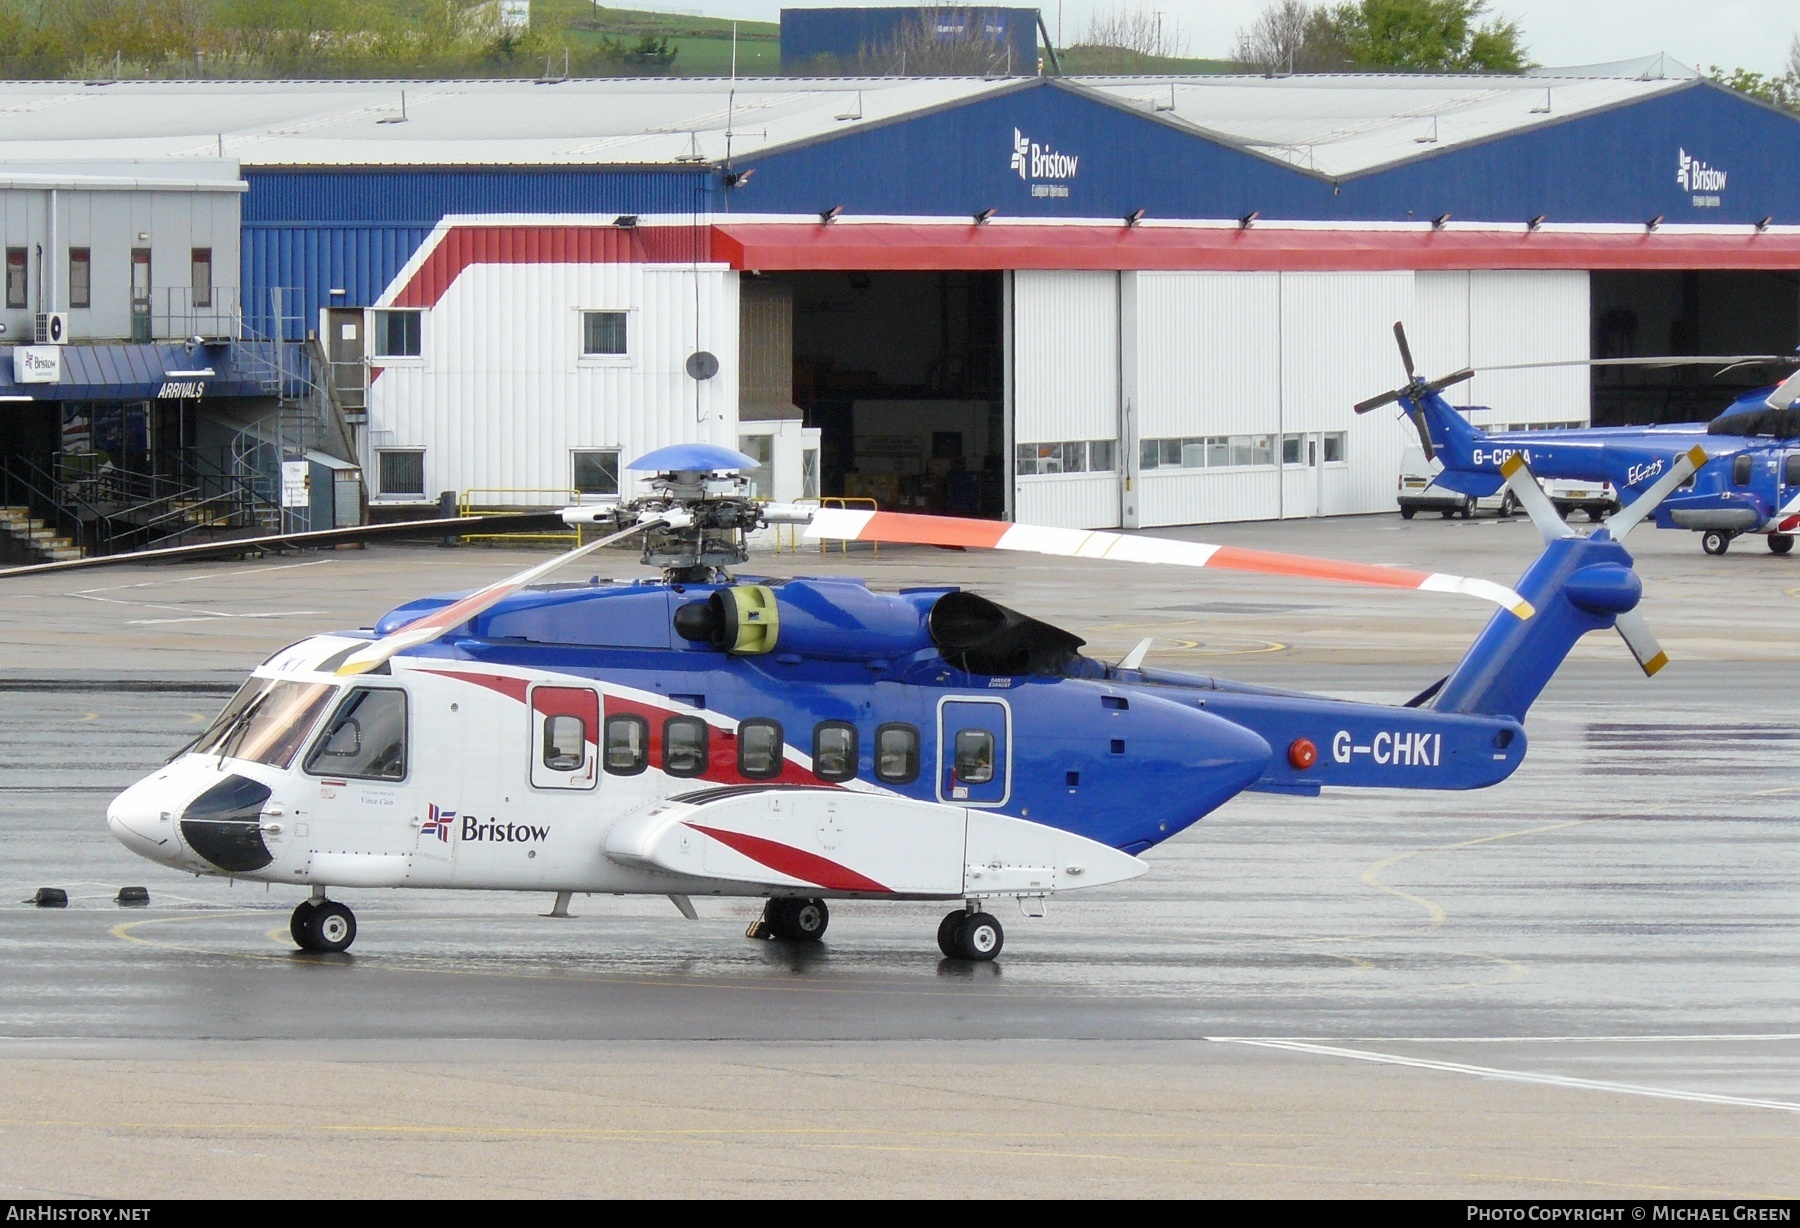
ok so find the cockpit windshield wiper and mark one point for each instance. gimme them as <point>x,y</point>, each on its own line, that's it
<point>240,724</point>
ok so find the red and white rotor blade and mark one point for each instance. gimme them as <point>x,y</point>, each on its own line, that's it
<point>429,627</point>
<point>839,524</point>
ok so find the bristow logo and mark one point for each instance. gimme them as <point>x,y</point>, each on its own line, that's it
<point>495,832</point>
<point>438,824</point>
<point>1697,177</point>
<point>1034,161</point>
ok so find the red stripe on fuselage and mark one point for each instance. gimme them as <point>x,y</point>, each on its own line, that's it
<point>793,862</point>
<point>512,688</point>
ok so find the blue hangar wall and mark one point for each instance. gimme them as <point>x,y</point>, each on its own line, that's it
<point>1616,165</point>
<point>1042,149</point>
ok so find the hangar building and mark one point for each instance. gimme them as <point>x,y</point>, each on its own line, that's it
<point>1084,302</point>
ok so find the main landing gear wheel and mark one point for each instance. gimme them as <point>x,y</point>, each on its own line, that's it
<point>797,920</point>
<point>1781,543</point>
<point>323,925</point>
<point>1509,503</point>
<point>971,936</point>
<point>1715,541</point>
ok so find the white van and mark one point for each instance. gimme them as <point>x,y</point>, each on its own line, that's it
<point>1418,492</point>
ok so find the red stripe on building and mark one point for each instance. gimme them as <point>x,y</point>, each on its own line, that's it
<point>776,246</point>
<point>793,862</point>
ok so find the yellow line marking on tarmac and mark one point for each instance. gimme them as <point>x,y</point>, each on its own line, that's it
<point>1434,910</point>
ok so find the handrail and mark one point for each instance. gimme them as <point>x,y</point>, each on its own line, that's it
<point>566,497</point>
<point>845,501</point>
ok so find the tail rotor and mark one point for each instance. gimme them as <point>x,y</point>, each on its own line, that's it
<point>1412,390</point>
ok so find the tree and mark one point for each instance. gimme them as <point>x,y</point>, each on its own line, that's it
<point>1408,35</point>
<point>1139,31</point>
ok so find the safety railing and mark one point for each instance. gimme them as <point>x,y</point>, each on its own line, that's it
<point>485,500</point>
<point>847,501</point>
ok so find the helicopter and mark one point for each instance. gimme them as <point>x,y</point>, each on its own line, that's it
<point>809,740</point>
<point>1749,483</point>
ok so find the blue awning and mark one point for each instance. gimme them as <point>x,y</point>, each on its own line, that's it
<point>153,372</point>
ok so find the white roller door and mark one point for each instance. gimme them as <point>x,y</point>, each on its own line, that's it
<point>1065,399</point>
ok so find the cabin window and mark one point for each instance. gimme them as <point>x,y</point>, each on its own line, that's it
<point>759,749</point>
<point>974,756</point>
<point>684,746</point>
<point>1740,471</point>
<point>897,754</point>
<point>1791,473</point>
<point>627,745</point>
<point>266,722</point>
<point>366,739</point>
<point>834,751</point>
<point>565,743</point>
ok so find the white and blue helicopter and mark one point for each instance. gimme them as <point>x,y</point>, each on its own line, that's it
<point>810,740</point>
<point>1748,483</point>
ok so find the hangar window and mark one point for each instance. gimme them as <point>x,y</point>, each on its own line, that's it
<point>627,745</point>
<point>1336,447</point>
<point>399,334</point>
<point>403,472</point>
<point>16,286</point>
<point>1208,452</point>
<point>603,334</point>
<point>897,754</point>
<point>80,277</point>
<point>834,751</point>
<point>366,739</point>
<point>200,279</point>
<point>1079,456</point>
<point>597,471</point>
<point>759,749</point>
<point>684,746</point>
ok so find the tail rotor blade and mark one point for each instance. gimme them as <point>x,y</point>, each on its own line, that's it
<point>1636,634</point>
<point>1386,398</point>
<point>1683,468</point>
<point>430,626</point>
<point>1445,381</point>
<point>844,524</point>
<point>1406,358</point>
<point>1418,417</point>
<point>1532,498</point>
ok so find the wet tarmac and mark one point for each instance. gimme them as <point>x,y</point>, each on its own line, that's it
<point>1583,982</point>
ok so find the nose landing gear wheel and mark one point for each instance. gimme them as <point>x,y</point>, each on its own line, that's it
<point>323,925</point>
<point>1715,541</point>
<point>797,920</point>
<point>971,936</point>
<point>1781,543</point>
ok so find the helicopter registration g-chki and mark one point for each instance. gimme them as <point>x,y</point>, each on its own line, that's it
<point>811,739</point>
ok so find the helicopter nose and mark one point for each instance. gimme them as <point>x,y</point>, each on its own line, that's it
<point>138,822</point>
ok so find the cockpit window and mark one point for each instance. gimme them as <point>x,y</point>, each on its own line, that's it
<point>266,722</point>
<point>366,738</point>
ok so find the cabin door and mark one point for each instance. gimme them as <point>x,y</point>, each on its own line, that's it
<point>974,752</point>
<point>565,732</point>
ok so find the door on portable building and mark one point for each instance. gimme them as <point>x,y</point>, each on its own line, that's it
<point>1065,400</point>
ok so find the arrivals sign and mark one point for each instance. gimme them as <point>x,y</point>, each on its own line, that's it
<point>37,364</point>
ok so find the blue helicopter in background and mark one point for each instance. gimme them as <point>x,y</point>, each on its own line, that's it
<point>805,739</point>
<point>1749,482</point>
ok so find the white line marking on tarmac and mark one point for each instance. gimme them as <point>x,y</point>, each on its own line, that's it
<point>1514,1076</point>
<point>205,575</point>
<point>210,617</point>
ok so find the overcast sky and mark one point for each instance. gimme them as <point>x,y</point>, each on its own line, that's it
<point>1748,33</point>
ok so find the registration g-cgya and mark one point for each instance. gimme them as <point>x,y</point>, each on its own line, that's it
<point>807,740</point>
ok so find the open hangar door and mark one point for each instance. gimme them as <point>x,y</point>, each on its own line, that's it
<point>902,374</point>
<point>1689,312</point>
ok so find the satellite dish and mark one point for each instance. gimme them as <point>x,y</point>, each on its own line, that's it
<point>702,365</point>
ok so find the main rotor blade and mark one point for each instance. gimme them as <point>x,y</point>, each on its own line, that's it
<point>429,627</point>
<point>839,524</point>
<point>1531,496</point>
<point>1786,393</point>
<point>1406,359</point>
<point>503,522</point>
<point>1670,360</point>
<point>1636,634</point>
<point>1628,517</point>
